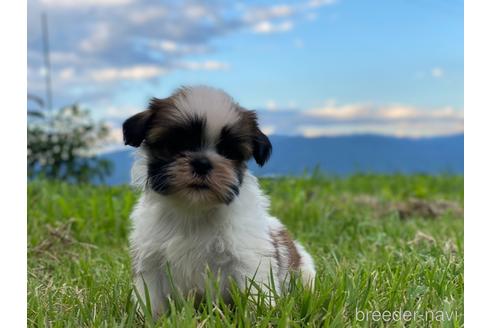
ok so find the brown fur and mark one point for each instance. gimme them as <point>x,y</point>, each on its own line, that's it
<point>220,177</point>
<point>165,115</point>
<point>248,121</point>
<point>282,238</point>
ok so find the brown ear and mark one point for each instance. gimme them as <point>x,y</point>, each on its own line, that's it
<point>135,128</point>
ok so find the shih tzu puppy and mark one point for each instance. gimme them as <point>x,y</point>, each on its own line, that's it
<point>201,211</point>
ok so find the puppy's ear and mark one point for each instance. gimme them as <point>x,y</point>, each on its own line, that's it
<point>262,148</point>
<point>135,128</point>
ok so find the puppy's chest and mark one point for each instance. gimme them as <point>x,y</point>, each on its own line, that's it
<point>191,254</point>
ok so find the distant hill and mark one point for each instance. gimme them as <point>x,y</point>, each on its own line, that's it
<point>343,155</point>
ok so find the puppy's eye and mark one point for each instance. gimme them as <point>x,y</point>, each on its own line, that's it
<point>231,145</point>
<point>181,142</point>
<point>185,138</point>
<point>233,152</point>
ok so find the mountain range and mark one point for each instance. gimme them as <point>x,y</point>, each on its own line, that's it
<point>341,155</point>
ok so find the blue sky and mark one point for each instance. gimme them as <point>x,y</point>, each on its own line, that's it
<point>310,67</point>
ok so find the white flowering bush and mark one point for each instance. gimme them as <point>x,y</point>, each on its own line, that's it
<point>63,146</point>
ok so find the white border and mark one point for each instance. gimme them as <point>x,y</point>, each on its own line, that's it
<point>478,162</point>
<point>13,231</point>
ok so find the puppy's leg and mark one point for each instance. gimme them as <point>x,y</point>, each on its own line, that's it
<point>150,278</point>
<point>306,266</point>
<point>261,280</point>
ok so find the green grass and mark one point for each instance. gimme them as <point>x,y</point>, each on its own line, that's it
<point>391,243</point>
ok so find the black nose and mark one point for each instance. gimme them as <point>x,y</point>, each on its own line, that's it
<point>201,165</point>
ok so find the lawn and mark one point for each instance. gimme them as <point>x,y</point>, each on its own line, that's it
<point>380,243</point>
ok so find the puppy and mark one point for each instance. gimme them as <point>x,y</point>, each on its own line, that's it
<point>201,211</point>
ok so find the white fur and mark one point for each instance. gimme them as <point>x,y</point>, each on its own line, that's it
<point>216,105</point>
<point>234,239</point>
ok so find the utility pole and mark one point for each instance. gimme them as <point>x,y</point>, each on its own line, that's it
<point>47,64</point>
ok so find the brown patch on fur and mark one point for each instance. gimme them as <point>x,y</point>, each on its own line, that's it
<point>282,238</point>
<point>248,124</point>
<point>150,124</point>
<point>248,121</point>
<point>165,115</point>
<point>276,246</point>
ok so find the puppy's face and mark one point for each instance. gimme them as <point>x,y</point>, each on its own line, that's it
<point>197,143</point>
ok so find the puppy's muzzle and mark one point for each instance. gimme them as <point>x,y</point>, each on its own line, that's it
<point>201,166</point>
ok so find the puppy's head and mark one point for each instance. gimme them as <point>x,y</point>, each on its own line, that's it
<point>197,143</point>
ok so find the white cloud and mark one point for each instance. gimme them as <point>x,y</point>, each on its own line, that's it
<point>208,65</point>
<point>42,71</point>
<point>146,15</point>
<point>262,14</point>
<point>144,72</point>
<point>366,118</point>
<point>320,3</point>
<point>268,129</point>
<point>109,41</point>
<point>173,47</point>
<point>84,3</point>
<point>312,131</point>
<point>138,72</point>
<point>122,112</point>
<point>448,112</point>
<point>405,112</point>
<point>59,57</point>
<point>396,112</point>
<point>195,11</point>
<point>402,129</point>
<point>391,112</point>
<point>267,27</point>
<point>437,72</point>
<point>169,46</point>
<point>271,104</point>
<point>67,73</point>
<point>333,111</point>
<point>291,104</point>
<point>266,19</point>
<point>282,11</point>
<point>97,40</point>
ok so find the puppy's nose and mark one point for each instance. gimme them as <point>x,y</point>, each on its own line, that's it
<point>201,165</point>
